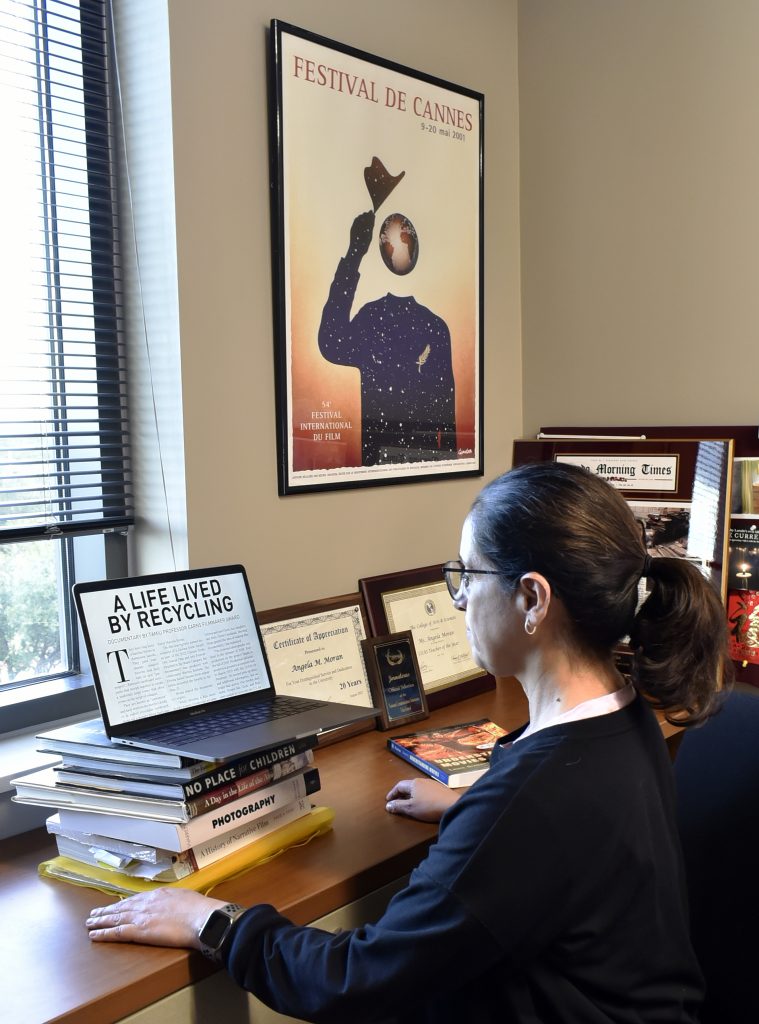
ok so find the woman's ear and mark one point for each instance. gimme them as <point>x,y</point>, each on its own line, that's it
<point>534,597</point>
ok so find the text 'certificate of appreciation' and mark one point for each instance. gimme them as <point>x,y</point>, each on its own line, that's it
<point>439,630</point>
<point>319,656</point>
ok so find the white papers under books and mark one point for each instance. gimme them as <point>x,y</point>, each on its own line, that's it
<point>164,870</point>
<point>118,847</point>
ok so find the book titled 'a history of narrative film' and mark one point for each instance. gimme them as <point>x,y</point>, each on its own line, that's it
<point>456,755</point>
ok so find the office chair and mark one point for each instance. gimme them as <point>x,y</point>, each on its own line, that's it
<point>717,777</point>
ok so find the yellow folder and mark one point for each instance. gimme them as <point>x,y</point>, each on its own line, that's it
<point>295,833</point>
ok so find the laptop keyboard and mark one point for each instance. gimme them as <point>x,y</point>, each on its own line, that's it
<point>216,723</point>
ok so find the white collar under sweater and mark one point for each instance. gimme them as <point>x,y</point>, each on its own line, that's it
<point>593,708</point>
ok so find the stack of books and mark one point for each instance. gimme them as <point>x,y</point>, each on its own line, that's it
<point>158,817</point>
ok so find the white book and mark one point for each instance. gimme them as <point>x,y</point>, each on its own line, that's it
<point>214,849</point>
<point>179,836</point>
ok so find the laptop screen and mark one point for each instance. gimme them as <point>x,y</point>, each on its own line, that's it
<point>170,643</point>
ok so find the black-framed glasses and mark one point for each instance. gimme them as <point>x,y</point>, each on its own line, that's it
<point>457,576</point>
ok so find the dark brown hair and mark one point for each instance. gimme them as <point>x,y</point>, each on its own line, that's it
<point>578,532</point>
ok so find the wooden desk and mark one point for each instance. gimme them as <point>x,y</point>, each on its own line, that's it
<point>51,971</point>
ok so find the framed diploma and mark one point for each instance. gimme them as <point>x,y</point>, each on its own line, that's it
<point>314,650</point>
<point>395,679</point>
<point>418,600</point>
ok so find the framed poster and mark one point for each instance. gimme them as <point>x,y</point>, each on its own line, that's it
<point>678,488</point>
<point>418,600</point>
<point>377,268</point>
<point>314,650</point>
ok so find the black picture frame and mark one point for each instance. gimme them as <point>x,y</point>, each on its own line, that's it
<point>358,405</point>
<point>382,595</point>
<point>395,679</point>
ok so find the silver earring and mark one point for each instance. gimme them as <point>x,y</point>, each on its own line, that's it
<point>528,631</point>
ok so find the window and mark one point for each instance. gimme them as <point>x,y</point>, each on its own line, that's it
<point>64,464</point>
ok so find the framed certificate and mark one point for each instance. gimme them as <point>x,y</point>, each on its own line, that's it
<point>314,650</point>
<point>418,600</point>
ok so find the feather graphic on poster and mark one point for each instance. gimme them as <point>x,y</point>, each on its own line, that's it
<point>423,358</point>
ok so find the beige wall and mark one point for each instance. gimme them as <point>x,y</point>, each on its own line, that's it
<point>317,545</point>
<point>639,211</point>
<point>149,266</point>
<point>633,129</point>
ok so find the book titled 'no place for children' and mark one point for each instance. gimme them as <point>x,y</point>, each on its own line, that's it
<point>456,755</point>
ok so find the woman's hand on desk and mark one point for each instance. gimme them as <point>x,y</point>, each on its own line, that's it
<point>163,917</point>
<point>423,799</point>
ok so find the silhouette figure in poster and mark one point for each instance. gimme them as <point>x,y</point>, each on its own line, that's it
<point>402,349</point>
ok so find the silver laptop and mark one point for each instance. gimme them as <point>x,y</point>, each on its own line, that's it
<point>179,665</point>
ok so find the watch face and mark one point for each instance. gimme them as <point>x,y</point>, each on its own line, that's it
<point>215,929</point>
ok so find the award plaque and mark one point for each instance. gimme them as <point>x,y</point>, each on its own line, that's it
<point>395,679</point>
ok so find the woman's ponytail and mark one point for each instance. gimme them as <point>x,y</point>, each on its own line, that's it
<point>679,642</point>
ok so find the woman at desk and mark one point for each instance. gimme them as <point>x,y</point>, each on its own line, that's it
<point>555,890</point>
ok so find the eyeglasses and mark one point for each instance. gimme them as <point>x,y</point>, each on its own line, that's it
<point>457,576</point>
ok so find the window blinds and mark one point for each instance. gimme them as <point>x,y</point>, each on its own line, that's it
<point>64,460</point>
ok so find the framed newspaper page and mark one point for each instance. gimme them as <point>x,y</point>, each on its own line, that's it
<point>314,650</point>
<point>679,489</point>
<point>418,600</point>
<point>743,560</point>
<point>377,203</point>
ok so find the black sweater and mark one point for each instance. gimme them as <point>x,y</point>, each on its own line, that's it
<point>553,895</point>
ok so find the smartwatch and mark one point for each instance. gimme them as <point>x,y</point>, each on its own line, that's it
<point>216,930</point>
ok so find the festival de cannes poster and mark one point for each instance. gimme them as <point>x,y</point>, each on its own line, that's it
<point>377,246</point>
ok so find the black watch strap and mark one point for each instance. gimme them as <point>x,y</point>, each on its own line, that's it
<point>217,929</point>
